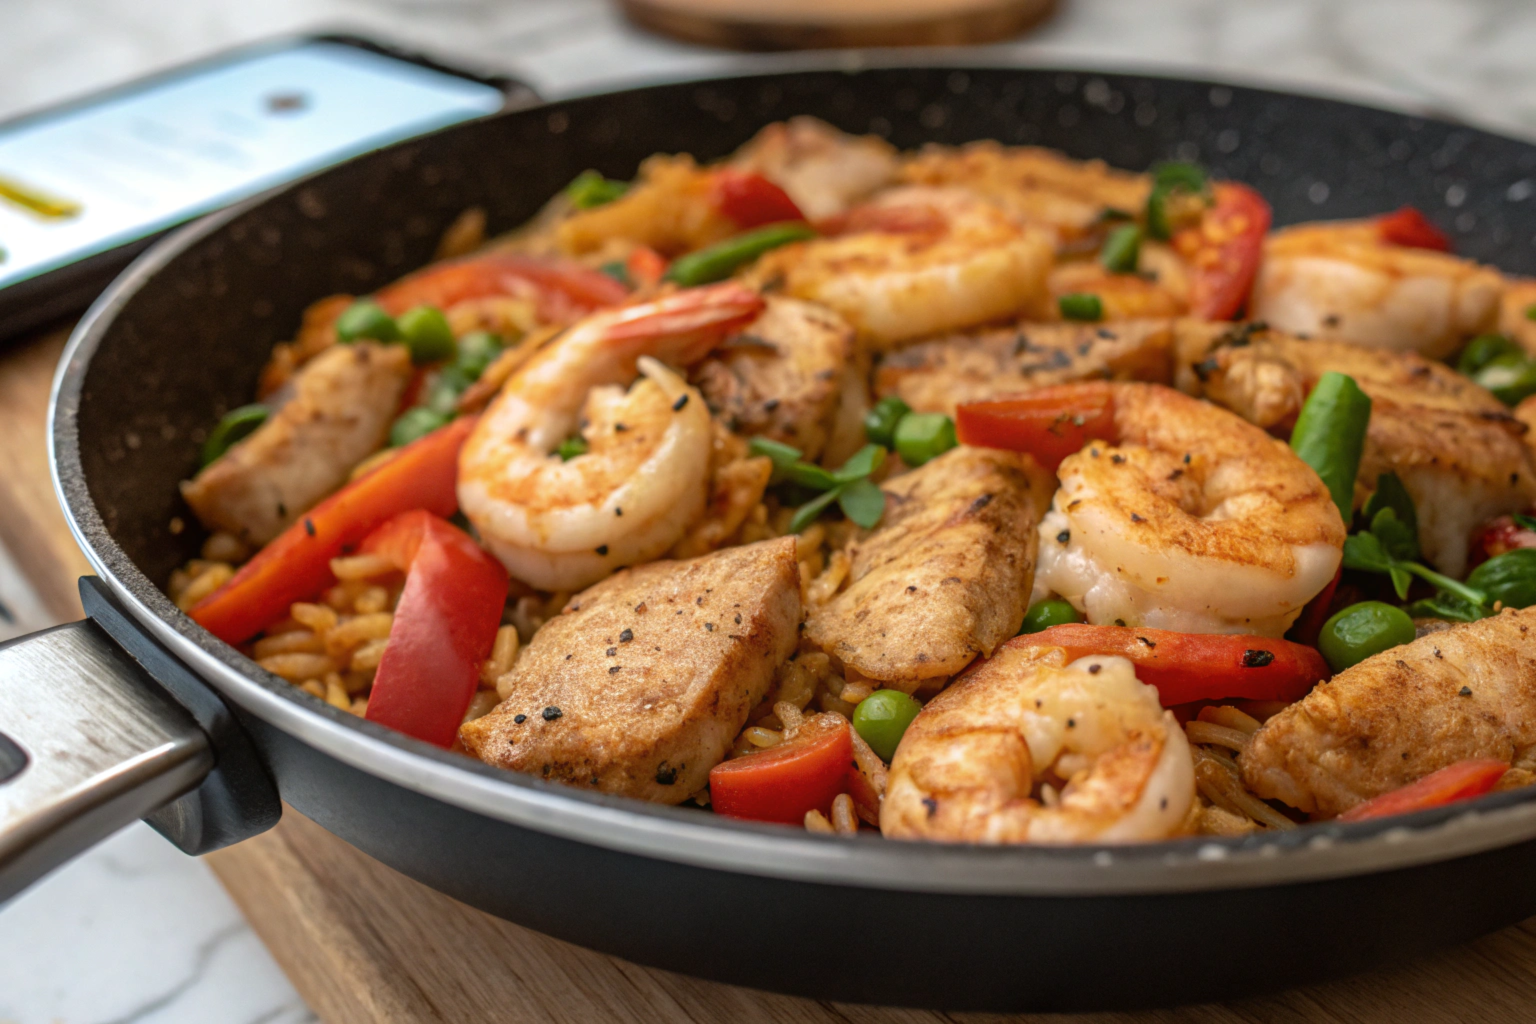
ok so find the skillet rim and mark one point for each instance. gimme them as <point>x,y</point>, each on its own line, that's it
<point>1314,852</point>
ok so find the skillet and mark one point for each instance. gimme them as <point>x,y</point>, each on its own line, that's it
<point>136,711</point>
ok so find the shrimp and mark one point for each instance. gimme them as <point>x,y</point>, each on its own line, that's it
<point>562,525</point>
<point>916,261</point>
<point>1193,520</point>
<point>1039,186</point>
<point>1455,447</point>
<point>1340,280</point>
<point>1161,288</point>
<point>1030,749</point>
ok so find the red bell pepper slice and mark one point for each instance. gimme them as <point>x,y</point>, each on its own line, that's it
<point>645,267</point>
<point>1408,227</point>
<point>1049,424</point>
<point>1460,781</point>
<point>1188,667</point>
<point>751,200</point>
<point>445,625</point>
<point>565,290</point>
<point>296,565</point>
<point>782,783</point>
<point>1224,250</point>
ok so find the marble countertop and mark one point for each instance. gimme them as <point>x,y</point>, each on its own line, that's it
<point>133,931</point>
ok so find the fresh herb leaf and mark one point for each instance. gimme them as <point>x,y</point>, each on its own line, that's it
<point>806,514</point>
<point>862,501</point>
<point>807,474</point>
<point>861,464</point>
<point>1390,493</point>
<point>1509,578</point>
<point>1448,607</point>
<point>1400,540</point>
<point>1525,522</point>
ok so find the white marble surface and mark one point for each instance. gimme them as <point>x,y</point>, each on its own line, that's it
<point>135,932</point>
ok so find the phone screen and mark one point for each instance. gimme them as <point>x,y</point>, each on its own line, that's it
<point>87,179</point>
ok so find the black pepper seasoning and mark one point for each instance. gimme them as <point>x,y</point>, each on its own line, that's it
<point>551,713</point>
<point>519,719</point>
<point>677,406</point>
<point>626,636</point>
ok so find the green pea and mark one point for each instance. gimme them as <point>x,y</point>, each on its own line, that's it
<point>235,425</point>
<point>1330,435</point>
<point>1484,349</point>
<point>1082,306</point>
<point>427,334</point>
<point>1053,611</point>
<point>880,422</point>
<point>1122,250</point>
<point>571,447</point>
<point>719,261</point>
<point>366,319</point>
<point>443,393</point>
<point>589,189</point>
<point>1361,630</point>
<point>921,436</point>
<point>477,350</point>
<point>882,719</point>
<point>1511,378</point>
<point>415,423</point>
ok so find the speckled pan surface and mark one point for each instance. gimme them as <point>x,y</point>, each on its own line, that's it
<point>181,337</point>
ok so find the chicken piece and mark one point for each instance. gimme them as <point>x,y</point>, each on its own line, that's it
<point>642,681</point>
<point>1040,186</point>
<point>669,208</point>
<point>779,377</point>
<point>1339,280</point>
<point>947,573</point>
<point>1456,448</point>
<point>824,170</point>
<point>343,402</point>
<point>1466,692</point>
<point>937,376</point>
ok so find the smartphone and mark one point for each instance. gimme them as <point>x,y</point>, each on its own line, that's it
<point>86,186</point>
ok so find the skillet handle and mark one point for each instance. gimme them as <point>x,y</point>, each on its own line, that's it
<point>88,743</point>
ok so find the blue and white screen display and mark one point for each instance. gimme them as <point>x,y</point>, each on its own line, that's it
<point>88,179</point>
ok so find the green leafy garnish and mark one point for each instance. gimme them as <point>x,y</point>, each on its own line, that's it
<point>571,447</point>
<point>858,496</point>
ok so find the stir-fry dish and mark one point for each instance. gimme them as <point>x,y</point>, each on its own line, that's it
<point>972,494</point>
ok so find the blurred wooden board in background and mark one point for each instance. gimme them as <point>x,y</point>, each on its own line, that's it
<point>820,24</point>
<point>363,944</point>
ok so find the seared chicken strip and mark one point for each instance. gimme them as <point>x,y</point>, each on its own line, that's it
<point>1465,692</point>
<point>824,170</point>
<point>946,574</point>
<point>1455,447</point>
<point>343,402</point>
<point>937,376</point>
<point>779,377</point>
<point>640,684</point>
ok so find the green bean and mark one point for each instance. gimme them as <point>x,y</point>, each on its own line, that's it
<point>719,261</point>
<point>233,426</point>
<point>880,422</point>
<point>921,436</point>
<point>1083,306</point>
<point>1330,435</point>
<point>1168,180</point>
<point>1122,250</point>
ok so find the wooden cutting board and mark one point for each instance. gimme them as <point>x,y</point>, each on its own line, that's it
<point>820,24</point>
<point>364,944</point>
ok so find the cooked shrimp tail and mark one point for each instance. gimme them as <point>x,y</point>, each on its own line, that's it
<point>562,524</point>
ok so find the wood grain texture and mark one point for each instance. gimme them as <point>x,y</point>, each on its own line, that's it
<point>822,24</point>
<point>363,944</point>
